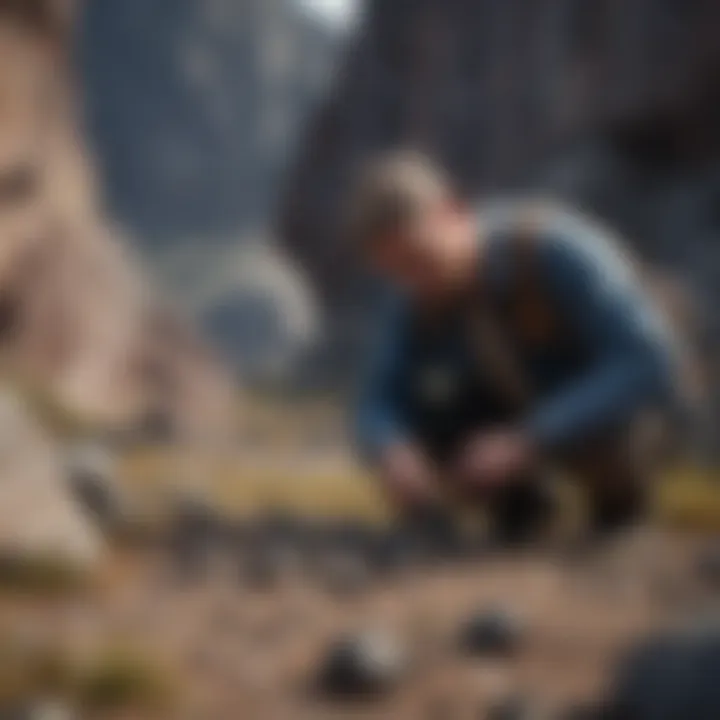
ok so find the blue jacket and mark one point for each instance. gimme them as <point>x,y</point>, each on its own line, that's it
<point>613,359</point>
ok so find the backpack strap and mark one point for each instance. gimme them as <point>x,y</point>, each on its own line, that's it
<point>496,357</point>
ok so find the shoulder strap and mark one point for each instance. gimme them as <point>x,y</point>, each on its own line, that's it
<point>495,355</point>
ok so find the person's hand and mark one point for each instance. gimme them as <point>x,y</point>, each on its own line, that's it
<point>408,477</point>
<point>493,459</point>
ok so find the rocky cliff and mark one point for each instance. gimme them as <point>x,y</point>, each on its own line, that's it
<point>192,108</point>
<point>77,316</point>
<point>609,103</point>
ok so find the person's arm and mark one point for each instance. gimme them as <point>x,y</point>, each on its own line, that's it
<point>383,428</point>
<point>597,292</point>
<point>380,416</point>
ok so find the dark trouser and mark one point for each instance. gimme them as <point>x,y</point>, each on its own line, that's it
<point>615,470</point>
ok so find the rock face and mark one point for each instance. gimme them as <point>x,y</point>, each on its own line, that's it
<point>610,104</point>
<point>194,148</point>
<point>39,519</point>
<point>76,315</point>
<point>192,152</point>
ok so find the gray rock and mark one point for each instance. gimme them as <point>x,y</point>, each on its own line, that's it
<point>92,476</point>
<point>40,710</point>
<point>196,534</point>
<point>670,677</point>
<point>265,567</point>
<point>273,549</point>
<point>364,665</point>
<point>513,707</point>
<point>344,574</point>
<point>708,564</point>
<point>39,519</point>
<point>590,711</point>
<point>495,632</point>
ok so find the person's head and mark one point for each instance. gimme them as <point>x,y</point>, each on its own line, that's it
<point>410,226</point>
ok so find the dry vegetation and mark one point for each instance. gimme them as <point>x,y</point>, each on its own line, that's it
<point>686,498</point>
<point>136,643</point>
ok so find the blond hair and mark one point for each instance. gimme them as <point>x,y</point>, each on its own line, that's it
<point>392,191</point>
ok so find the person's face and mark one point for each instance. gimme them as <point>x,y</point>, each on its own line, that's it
<point>422,259</point>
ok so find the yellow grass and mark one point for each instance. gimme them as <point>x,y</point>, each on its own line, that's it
<point>685,498</point>
<point>690,499</point>
<point>244,488</point>
<point>113,679</point>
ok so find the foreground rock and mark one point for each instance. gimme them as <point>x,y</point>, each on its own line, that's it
<point>708,565</point>
<point>492,632</point>
<point>513,707</point>
<point>91,474</point>
<point>39,519</point>
<point>41,711</point>
<point>363,666</point>
<point>670,677</point>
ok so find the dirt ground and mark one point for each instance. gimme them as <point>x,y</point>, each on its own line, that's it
<point>236,652</point>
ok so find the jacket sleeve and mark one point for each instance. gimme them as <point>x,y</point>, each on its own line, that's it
<point>597,291</point>
<point>380,415</point>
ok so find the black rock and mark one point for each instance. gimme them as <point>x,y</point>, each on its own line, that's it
<point>708,565</point>
<point>264,567</point>
<point>91,476</point>
<point>343,574</point>
<point>418,540</point>
<point>514,707</point>
<point>491,632</point>
<point>591,711</point>
<point>362,666</point>
<point>396,551</point>
<point>193,513</point>
<point>39,711</point>
<point>272,548</point>
<point>196,535</point>
<point>670,677</point>
<point>95,495</point>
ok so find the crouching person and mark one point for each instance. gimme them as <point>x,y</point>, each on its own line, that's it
<point>514,338</point>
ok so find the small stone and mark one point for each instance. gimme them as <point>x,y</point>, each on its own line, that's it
<point>491,632</point>
<point>365,665</point>
<point>196,535</point>
<point>514,707</point>
<point>344,574</point>
<point>583,712</point>
<point>41,710</point>
<point>263,569</point>
<point>708,565</point>
<point>92,477</point>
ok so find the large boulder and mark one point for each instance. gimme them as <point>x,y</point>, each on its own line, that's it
<point>670,677</point>
<point>78,317</point>
<point>39,519</point>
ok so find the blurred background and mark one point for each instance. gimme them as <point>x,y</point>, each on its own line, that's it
<point>180,320</point>
<point>213,142</point>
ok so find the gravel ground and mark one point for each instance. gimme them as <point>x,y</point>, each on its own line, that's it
<point>241,652</point>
